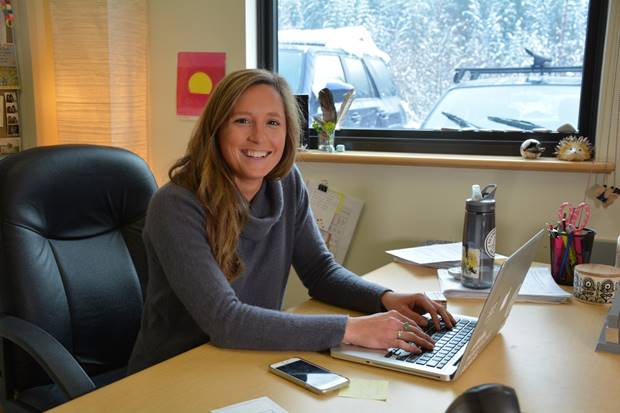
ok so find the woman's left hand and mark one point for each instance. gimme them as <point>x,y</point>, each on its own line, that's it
<point>415,305</point>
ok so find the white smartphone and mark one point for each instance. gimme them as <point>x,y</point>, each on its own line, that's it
<point>309,375</point>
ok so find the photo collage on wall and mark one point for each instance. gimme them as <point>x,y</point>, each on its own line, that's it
<point>10,126</point>
<point>10,121</point>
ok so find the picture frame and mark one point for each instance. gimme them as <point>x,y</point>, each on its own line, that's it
<point>9,146</point>
<point>12,130</point>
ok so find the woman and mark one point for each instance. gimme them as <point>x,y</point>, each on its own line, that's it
<point>222,235</point>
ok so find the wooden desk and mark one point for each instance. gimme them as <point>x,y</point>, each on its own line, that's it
<point>545,352</point>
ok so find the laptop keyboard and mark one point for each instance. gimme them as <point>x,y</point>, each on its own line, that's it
<point>447,344</point>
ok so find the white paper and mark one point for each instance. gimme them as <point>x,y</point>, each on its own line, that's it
<point>336,214</point>
<point>7,55</point>
<point>323,204</point>
<point>436,255</point>
<point>260,405</point>
<point>538,286</point>
<point>430,253</point>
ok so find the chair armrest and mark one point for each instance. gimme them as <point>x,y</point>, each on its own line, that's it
<point>57,362</point>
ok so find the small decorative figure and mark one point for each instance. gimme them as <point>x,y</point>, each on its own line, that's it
<point>606,194</point>
<point>7,9</point>
<point>574,148</point>
<point>567,128</point>
<point>531,149</point>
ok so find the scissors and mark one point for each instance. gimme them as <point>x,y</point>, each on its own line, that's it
<point>574,218</point>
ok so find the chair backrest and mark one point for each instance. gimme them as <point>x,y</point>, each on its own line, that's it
<point>72,259</point>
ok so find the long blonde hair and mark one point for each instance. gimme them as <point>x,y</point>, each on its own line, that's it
<point>204,171</point>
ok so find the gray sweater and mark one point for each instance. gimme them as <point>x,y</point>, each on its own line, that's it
<point>189,301</point>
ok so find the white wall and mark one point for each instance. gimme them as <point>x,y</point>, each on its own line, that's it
<point>185,26</point>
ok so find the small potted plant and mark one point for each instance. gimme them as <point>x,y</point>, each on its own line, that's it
<point>330,121</point>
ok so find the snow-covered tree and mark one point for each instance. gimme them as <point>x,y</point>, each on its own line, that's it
<point>427,39</point>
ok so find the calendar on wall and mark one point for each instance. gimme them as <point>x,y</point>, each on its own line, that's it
<point>336,215</point>
<point>10,123</point>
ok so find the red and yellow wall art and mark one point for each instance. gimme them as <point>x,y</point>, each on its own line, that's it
<point>197,75</point>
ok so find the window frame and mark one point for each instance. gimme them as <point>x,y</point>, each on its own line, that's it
<point>458,142</point>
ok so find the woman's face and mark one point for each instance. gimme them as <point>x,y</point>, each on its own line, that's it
<point>253,137</point>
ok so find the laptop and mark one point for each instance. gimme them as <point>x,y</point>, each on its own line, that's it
<point>456,349</point>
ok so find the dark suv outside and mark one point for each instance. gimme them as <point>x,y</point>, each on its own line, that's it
<point>342,59</point>
<point>534,98</point>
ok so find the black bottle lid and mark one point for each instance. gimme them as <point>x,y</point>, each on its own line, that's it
<point>482,201</point>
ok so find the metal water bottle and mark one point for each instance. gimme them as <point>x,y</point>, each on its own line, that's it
<point>479,238</point>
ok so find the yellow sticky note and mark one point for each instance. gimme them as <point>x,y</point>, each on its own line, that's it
<point>366,389</point>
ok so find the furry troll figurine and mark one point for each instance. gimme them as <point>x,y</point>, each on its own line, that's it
<point>574,148</point>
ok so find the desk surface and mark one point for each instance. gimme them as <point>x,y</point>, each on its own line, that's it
<point>545,352</point>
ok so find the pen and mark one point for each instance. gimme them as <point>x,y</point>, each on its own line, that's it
<point>565,258</point>
<point>578,250</point>
<point>557,256</point>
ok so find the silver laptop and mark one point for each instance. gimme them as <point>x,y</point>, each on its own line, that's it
<point>456,349</point>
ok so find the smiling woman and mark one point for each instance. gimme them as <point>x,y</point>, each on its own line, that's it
<point>222,235</point>
<point>252,139</point>
<point>239,117</point>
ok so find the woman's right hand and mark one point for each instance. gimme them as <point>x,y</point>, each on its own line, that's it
<point>387,330</point>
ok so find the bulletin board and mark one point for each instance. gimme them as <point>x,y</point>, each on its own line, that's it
<point>10,122</point>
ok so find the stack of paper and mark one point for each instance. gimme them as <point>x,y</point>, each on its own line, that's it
<point>261,405</point>
<point>436,256</point>
<point>538,287</point>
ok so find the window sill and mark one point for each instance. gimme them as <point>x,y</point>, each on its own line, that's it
<point>455,161</point>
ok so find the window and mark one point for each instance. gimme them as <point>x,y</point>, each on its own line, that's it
<point>477,76</point>
<point>358,77</point>
<point>328,68</point>
<point>381,76</point>
<point>292,66</point>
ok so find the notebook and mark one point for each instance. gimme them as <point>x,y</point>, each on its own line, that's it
<point>456,349</point>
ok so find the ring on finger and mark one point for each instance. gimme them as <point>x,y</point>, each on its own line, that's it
<point>399,334</point>
<point>407,326</point>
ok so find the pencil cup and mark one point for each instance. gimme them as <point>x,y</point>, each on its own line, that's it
<point>568,249</point>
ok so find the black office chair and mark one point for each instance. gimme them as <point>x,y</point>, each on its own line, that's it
<point>72,270</point>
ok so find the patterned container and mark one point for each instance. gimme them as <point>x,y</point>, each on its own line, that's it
<point>596,283</point>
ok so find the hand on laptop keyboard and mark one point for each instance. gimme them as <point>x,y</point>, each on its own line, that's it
<point>414,306</point>
<point>385,330</point>
<point>401,326</point>
<point>447,345</point>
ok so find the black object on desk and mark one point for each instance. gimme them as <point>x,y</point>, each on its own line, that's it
<point>486,398</point>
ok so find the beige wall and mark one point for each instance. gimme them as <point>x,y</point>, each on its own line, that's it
<point>186,26</point>
<point>407,205</point>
